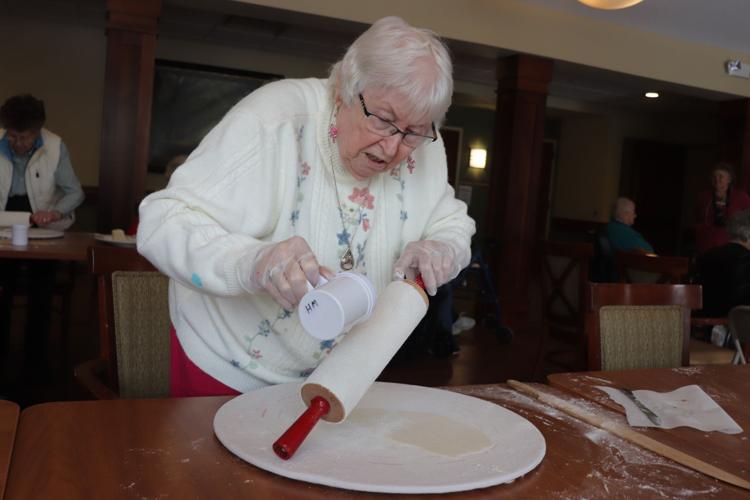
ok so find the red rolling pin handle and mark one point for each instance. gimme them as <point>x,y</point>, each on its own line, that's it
<point>419,281</point>
<point>288,443</point>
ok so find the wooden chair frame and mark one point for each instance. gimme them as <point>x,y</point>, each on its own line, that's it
<point>671,270</point>
<point>640,294</point>
<point>553,285</point>
<point>580,255</point>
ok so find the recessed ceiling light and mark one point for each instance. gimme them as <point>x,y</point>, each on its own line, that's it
<point>651,95</point>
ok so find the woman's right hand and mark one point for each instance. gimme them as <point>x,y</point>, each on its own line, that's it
<point>283,270</point>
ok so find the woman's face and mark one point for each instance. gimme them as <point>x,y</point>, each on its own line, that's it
<point>22,142</point>
<point>720,180</point>
<point>363,151</point>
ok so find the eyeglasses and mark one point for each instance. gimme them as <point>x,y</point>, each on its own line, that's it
<point>386,128</point>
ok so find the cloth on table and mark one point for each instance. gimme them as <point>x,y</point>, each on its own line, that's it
<point>688,406</point>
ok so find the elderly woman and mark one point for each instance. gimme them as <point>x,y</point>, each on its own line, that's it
<point>716,206</point>
<point>302,178</point>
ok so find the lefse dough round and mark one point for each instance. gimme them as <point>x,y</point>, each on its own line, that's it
<point>432,433</point>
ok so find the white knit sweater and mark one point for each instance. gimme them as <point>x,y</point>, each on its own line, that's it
<point>262,175</point>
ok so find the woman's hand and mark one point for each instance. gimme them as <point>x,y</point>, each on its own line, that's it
<point>42,218</point>
<point>434,260</point>
<point>283,270</point>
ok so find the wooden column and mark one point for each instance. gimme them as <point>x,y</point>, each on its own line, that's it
<point>126,123</point>
<point>734,138</point>
<point>515,181</point>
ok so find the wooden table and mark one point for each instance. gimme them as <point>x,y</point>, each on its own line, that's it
<point>728,385</point>
<point>8,424</point>
<point>72,246</point>
<point>166,449</point>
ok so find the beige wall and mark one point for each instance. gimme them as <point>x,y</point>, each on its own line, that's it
<point>64,66</point>
<point>518,25</point>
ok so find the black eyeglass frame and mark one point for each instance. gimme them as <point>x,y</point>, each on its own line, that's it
<point>398,130</point>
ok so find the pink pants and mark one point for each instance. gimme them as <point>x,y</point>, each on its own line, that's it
<point>186,379</point>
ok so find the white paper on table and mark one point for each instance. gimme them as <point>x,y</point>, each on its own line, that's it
<point>8,218</point>
<point>688,406</point>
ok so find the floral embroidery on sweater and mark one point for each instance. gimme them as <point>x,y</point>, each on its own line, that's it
<point>304,172</point>
<point>362,197</point>
<point>397,175</point>
<point>263,329</point>
<point>410,164</point>
<point>355,217</point>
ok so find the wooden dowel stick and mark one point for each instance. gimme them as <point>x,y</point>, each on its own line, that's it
<point>629,434</point>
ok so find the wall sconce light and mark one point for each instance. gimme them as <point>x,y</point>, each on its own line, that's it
<point>478,158</point>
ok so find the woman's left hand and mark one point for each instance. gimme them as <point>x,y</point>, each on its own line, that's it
<point>434,260</point>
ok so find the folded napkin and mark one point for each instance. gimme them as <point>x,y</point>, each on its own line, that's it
<point>687,406</point>
<point>7,219</point>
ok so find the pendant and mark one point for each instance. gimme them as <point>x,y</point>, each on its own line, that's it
<point>347,260</point>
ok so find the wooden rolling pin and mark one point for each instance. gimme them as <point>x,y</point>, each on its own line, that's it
<point>333,390</point>
<point>629,434</point>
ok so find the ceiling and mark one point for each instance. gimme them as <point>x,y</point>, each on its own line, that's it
<point>719,23</point>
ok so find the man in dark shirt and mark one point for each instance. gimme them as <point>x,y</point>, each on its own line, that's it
<point>724,271</point>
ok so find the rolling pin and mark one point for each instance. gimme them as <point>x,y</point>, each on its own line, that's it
<point>333,390</point>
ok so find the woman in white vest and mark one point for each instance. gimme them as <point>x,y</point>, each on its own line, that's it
<point>35,171</point>
<point>302,178</point>
<point>36,177</point>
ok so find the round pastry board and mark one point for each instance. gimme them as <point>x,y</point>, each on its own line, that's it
<point>361,452</point>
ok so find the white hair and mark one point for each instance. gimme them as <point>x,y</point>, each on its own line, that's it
<point>393,55</point>
<point>621,206</point>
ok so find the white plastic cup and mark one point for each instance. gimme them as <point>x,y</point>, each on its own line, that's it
<point>335,306</point>
<point>20,235</point>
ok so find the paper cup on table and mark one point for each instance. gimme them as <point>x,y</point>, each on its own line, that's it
<point>335,306</point>
<point>20,235</point>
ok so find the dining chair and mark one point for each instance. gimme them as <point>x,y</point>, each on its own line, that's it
<point>564,284</point>
<point>639,325</point>
<point>133,327</point>
<point>647,268</point>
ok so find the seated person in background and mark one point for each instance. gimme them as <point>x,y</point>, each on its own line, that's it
<point>34,159</point>
<point>716,206</point>
<point>621,235</point>
<point>724,271</point>
<point>35,176</point>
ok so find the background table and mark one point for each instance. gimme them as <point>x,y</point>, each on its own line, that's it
<point>8,423</point>
<point>72,246</point>
<point>166,449</point>
<point>728,385</point>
